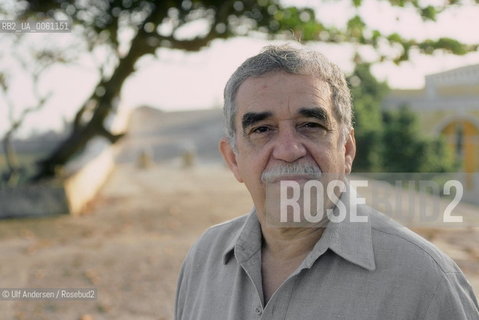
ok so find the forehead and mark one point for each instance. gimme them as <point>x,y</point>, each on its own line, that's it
<point>281,93</point>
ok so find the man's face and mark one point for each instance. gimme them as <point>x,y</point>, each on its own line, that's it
<point>282,119</point>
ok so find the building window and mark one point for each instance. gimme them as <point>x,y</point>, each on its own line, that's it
<point>459,141</point>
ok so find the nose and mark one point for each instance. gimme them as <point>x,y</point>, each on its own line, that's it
<point>288,146</point>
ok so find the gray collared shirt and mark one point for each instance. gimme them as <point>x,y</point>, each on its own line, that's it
<point>358,270</point>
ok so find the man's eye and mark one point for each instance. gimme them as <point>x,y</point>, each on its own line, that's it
<point>261,129</point>
<point>312,125</point>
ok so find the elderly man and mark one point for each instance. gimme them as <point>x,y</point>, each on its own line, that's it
<point>288,117</point>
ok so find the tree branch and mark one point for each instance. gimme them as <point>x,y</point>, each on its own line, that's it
<point>110,136</point>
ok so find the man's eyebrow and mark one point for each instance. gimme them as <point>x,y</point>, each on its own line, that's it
<point>315,112</point>
<point>251,118</point>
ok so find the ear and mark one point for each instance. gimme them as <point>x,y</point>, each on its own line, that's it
<point>230,158</point>
<point>349,151</point>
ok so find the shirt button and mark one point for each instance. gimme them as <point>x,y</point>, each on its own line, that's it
<point>258,311</point>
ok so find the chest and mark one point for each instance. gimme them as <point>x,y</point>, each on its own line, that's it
<point>331,289</point>
<point>274,273</point>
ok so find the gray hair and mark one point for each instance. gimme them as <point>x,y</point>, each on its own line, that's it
<point>292,60</point>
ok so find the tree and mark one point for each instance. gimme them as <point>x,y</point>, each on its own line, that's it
<point>407,150</point>
<point>28,61</point>
<point>158,24</point>
<point>390,140</point>
<point>367,93</point>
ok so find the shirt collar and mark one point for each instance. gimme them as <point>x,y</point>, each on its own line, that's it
<point>348,239</point>
<point>351,240</point>
<point>247,240</point>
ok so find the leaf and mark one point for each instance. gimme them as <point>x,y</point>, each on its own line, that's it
<point>355,27</point>
<point>395,38</point>
<point>357,3</point>
<point>429,13</point>
<point>451,45</point>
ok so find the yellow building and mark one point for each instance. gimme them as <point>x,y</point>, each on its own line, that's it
<point>448,105</point>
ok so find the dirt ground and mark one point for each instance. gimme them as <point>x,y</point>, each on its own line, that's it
<point>129,246</point>
<point>132,240</point>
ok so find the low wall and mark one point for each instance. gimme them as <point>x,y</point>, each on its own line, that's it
<point>82,186</point>
<point>89,172</point>
<point>33,201</point>
<point>71,194</point>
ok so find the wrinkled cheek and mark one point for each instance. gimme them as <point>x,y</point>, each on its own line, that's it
<point>250,169</point>
<point>328,163</point>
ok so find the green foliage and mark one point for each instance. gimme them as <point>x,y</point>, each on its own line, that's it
<point>101,22</point>
<point>367,95</point>
<point>439,158</point>
<point>355,27</point>
<point>391,141</point>
<point>403,151</point>
<point>357,3</point>
<point>302,22</point>
<point>447,44</point>
<point>429,13</point>
<point>407,150</point>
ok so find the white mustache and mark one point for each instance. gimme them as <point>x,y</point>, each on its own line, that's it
<point>291,169</point>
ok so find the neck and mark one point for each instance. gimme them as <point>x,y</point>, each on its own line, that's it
<point>289,243</point>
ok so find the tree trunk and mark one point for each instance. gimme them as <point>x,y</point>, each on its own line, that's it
<point>83,133</point>
<point>10,157</point>
<point>143,43</point>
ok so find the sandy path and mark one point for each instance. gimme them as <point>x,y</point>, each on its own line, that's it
<point>130,245</point>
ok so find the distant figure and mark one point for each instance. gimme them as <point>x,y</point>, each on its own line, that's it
<point>145,159</point>
<point>288,119</point>
<point>188,159</point>
<point>188,156</point>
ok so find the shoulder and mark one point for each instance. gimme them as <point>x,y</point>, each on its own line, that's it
<point>216,240</point>
<point>203,262</point>
<point>419,272</point>
<point>399,244</point>
<point>206,256</point>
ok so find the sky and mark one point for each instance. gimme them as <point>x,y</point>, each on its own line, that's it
<point>176,80</point>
